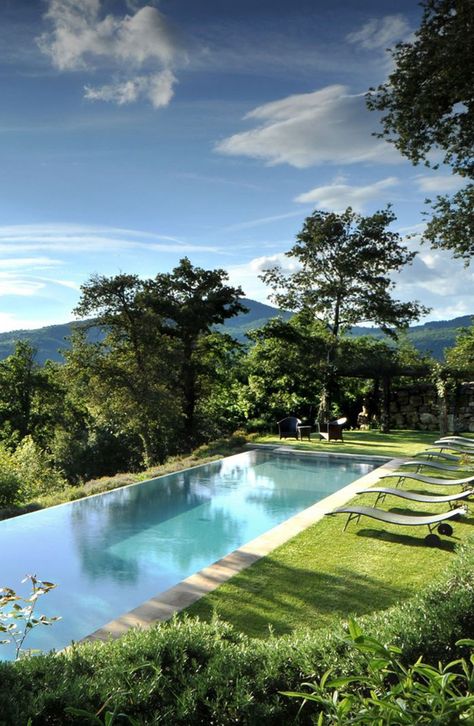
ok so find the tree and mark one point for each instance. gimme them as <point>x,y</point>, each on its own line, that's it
<point>461,357</point>
<point>27,395</point>
<point>125,377</point>
<point>189,301</point>
<point>285,368</point>
<point>151,372</point>
<point>428,101</point>
<point>345,262</point>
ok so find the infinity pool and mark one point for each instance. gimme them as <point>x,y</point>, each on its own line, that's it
<point>109,553</point>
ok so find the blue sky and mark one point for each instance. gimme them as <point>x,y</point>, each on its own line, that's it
<point>133,134</point>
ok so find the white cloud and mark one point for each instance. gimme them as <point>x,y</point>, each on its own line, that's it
<point>80,39</point>
<point>157,88</point>
<point>336,197</point>
<point>261,221</point>
<point>18,286</point>
<point>438,183</point>
<point>380,32</point>
<point>326,126</point>
<point>14,263</point>
<point>83,238</point>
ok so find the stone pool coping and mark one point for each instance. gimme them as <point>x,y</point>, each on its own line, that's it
<point>165,604</point>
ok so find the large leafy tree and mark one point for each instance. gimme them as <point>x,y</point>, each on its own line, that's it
<point>345,262</point>
<point>285,367</point>
<point>31,401</point>
<point>189,302</point>
<point>428,106</point>
<point>153,369</point>
<point>124,376</point>
<point>344,277</point>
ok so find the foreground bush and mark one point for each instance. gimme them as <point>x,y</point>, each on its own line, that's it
<point>388,692</point>
<point>188,672</point>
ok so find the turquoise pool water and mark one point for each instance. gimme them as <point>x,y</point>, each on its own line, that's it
<point>109,553</point>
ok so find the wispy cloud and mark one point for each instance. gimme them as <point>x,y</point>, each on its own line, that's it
<point>329,126</point>
<point>82,38</point>
<point>16,263</point>
<point>337,196</point>
<point>380,33</point>
<point>11,284</point>
<point>438,183</point>
<point>82,238</point>
<point>259,222</point>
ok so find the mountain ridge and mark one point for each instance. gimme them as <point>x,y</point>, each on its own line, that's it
<point>431,337</point>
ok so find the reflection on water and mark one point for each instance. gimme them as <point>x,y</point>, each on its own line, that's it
<point>110,552</point>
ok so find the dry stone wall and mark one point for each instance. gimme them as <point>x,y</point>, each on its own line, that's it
<point>418,407</point>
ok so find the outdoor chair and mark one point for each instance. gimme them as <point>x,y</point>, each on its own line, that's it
<point>288,427</point>
<point>434,465</point>
<point>458,448</point>
<point>438,454</point>
<point>402,475</point>
<point>417,496</point>
<point>405,520</point>
<point>334,430</point>
<point>460,440</point>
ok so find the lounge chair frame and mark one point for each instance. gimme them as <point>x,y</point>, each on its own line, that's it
<point>465,483</point>
<point>417,497</point>
<point>404,520</point>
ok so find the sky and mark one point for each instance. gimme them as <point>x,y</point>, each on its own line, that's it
<point>133,134</point>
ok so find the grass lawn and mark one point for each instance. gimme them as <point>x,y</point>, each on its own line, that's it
<point>397,443</point>
<point>325,574</point>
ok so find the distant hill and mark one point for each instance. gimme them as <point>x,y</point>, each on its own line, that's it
<point>50,340</point>
<point>431,338</point>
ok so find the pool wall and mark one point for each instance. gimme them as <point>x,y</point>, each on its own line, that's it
<point>165,604</point>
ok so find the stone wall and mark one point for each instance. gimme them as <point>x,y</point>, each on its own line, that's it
<point>417,407</point>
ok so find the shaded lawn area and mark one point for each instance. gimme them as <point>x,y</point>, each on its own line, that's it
<point>325,574</point>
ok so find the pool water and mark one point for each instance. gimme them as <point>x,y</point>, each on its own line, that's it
<point>109,553</point>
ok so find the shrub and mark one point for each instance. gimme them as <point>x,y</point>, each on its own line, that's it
<point>34,468</point>
<point>10,481</point>
<point>390,692</point>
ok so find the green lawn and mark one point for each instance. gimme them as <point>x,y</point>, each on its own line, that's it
<point>398,443</point>
<point>325,574</point>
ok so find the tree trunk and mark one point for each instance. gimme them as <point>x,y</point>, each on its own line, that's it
<point>385,412</point>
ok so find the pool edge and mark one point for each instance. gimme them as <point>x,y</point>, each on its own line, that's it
<point>167,603</point>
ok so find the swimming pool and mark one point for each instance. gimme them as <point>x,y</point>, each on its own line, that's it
<point>110,552</point>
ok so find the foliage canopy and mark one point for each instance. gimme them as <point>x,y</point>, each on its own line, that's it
<point>345,262</point>
<point>428,102</point>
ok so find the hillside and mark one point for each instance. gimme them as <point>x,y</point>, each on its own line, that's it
<point>51,339</point>
<point>431,338</point>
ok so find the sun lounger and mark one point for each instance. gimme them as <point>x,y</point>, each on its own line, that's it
<point>404,520</point>
<point>417,497</point>
<point>453,446</point>
<point>434,465</point>
<point>437,454</point>
<point>461,440</point>
<point>402,475</point>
